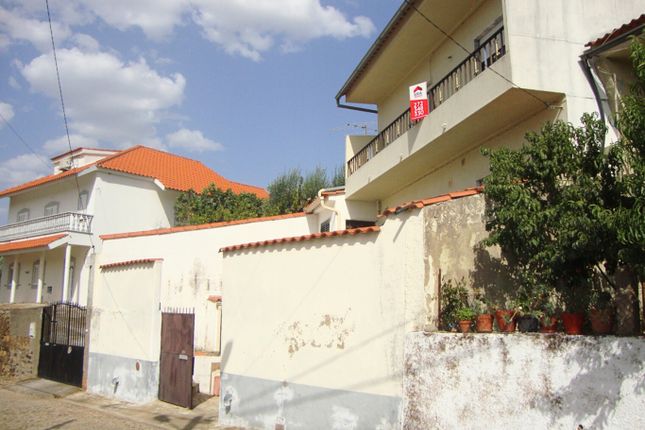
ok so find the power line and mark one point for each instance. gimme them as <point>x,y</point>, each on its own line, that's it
<point>23,140</point>
<point>442,31</point>
<point>62,103</point>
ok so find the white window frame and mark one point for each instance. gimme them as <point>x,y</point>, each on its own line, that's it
<point>51,208</point>
<point>83,198</point>
<point>22,215</point>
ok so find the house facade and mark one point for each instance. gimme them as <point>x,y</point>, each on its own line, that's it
<point>495,69</point>
<point>52,236</point>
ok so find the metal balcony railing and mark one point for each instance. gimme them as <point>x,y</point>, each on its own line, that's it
<point>66,221</point>
<point>491,50</point>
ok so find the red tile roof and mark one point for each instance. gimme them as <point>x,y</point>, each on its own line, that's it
<point>170,230</point>
<point>130,263</point>
<point>617,32</point>
<point>418,204</point>
<point>174,172</point>
<point>351,232</point>
<point>30,243</point>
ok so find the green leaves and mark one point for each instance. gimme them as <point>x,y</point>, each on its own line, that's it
<point>215,205</point>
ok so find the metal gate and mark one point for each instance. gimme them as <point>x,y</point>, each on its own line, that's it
<point>176,361</point>
<point>62,343</point>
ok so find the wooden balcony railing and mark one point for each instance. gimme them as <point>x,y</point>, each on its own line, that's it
<point>67,221</point>
<point>488,53</point>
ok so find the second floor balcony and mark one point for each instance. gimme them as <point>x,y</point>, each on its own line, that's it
<point>73,222</point>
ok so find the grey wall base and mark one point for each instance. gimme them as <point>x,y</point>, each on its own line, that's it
<point>118,377</point>
<point>261,403</point>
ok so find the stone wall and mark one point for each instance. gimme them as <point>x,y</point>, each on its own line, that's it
<point>486,381</point>
<point>20,327</point>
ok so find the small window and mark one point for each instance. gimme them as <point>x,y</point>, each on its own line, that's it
<point>35,268</point>
<point>82,200</point>
<point>51,208</point>
<point>324,227</point>
<point>23,215</point>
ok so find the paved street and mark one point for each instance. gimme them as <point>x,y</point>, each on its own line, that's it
<point>41,404</point>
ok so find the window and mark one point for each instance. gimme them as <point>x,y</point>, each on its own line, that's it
<point>325,226</point>
<point>489,51</point>
<point>23,215</point>
<point>82,200</point>
<point>51,208</point>
<point>355,223</point>
<point>35,268</point>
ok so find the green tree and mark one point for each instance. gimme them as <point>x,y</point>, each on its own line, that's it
<point>215,205</point>
<point>291,191</point>
<point>563,206</point>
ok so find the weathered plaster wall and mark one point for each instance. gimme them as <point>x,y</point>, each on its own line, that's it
<point>20,327</point>
<point>486,381</point>
<point>125,330</point>
<point>453,231</point>
<point>320,326</point>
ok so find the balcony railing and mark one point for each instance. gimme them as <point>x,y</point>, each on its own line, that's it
<point>67,221</point>
<point>491,50</point>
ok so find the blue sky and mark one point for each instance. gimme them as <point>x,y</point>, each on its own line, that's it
<point>247,87</point>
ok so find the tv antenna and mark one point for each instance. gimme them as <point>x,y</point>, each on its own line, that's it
<point>365,126</point>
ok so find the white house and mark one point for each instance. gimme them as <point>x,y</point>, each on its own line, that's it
<point>52,237</point>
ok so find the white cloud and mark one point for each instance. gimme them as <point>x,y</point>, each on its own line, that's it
<point>61,145</point>
<point>86,42</point>
<point>192,140</point>
<point>13,83</point>
<point>7,112</point>
<point>252,28</point>
<point>21,169</point>
<point>106,99</point>
<point>13,26</point>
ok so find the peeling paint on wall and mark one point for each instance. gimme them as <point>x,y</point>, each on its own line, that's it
<point>331,332</point>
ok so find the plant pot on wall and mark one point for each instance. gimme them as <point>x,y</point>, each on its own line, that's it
<point>572,322</point>
<point>527,324</point>
<point>548,325</point>
<point>484,323</point>
<point>601,321</point>
<point>464,326</point>
<point>505,320</point>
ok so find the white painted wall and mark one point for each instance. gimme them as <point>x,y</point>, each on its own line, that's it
<point>192,271</point>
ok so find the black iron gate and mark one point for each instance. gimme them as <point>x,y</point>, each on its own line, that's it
<point>62,343</point>
<point>176,361</point>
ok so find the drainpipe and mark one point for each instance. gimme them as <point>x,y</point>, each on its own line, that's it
<point>331,208</point>
<point>585,62</point>
<point>358,108</point>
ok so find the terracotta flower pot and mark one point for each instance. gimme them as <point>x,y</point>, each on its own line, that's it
<point>484,323</point>
<point>572,322</point>
<point>464,326</point>
<point>548,325</point>
<point>505,320</point>
<point>601,321</point>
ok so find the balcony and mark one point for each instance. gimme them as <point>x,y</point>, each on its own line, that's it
<point>490,51</point>
<point>64,222</point>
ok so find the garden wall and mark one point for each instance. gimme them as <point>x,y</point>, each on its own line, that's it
<point>20,326</point>
<point>484,381</point>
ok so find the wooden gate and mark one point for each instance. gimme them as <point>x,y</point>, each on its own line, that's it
<point>62,343</point>
<point>176,361</point>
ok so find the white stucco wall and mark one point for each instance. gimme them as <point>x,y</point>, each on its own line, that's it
<point>192,271</point>
<point>496,381</point>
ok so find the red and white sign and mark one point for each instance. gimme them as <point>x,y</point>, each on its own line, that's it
<point>419,106</point>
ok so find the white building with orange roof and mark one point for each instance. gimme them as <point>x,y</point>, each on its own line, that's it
<point>55,221</point>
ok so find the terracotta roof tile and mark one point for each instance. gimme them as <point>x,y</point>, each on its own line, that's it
<point>169,230</point>
<point>130,263</point>
<point>30,243</point>
<point>174,172</point>
<point>617,32</point>
<point>351,232</point>
<point>215,299</point>
<point>418,204</point>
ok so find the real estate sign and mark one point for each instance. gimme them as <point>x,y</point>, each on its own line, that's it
<point>419,106</point>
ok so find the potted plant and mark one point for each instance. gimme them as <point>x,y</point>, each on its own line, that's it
<point>547,315</point>
<point>601,311</point>
<point>454,296</point>
<point>573,317</point>
<point>484,319</point>
<point>505,318</point>
<point>465,316</point>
